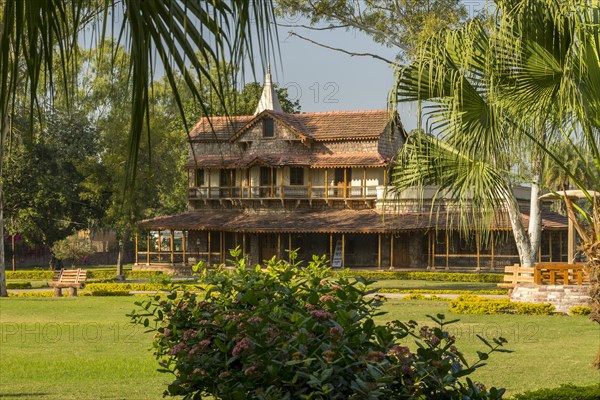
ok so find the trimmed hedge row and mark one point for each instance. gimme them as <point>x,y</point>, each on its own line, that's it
<point>563,392</point>
<point>426,276</point>
<point>442,291</point>
<point>92,274</point>
<point>580,310</point>
<point>18,285</point>
<point>418,296</point>
<point>477,305</point>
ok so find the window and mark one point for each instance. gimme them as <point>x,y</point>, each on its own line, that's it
<point>268,128</point>
<point>227,177</point>
<point>339,175</point>
<point>199,177</point>
<point>296,176</point>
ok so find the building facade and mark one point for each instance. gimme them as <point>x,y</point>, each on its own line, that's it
<point>316,182</point>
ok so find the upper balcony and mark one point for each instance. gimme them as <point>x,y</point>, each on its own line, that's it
<point>283,192</point>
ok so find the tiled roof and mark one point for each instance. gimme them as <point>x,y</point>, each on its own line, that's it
<point>319,126</point>
<point>314,161</point>
<point>329,221</point>
<point>222,127</point>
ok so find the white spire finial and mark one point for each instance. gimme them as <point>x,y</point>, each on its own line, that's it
<point>268,100</point>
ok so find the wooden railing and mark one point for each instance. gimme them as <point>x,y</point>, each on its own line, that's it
<point>545,273</point>
<point>285,192</point>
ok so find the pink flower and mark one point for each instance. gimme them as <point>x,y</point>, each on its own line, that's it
<point>176,349</point>
<point>258,320</point>
<point>166,332</point>
<point>336,331</point>
<point>224,375</point>
<point>321,314</point>
<point>326,298</point>
<point>252,370</point>
<point>375,356</point>
<point>189,333</point>
<point>241,346</point>
<point>406,370</point>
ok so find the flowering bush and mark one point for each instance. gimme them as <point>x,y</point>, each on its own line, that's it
<point>286,332</point>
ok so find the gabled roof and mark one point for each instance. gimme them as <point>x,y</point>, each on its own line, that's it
<point>317,126</point>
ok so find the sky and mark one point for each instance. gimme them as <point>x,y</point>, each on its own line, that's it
<point>327,80</point>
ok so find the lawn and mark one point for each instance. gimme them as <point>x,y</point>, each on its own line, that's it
<point>85,348</point>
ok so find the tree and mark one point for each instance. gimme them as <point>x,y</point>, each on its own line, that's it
<point>43,176</point>
<point>172,31</point>
<point>402,24</point>
<point>523,78</point>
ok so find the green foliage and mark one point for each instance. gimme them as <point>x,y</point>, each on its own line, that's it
<point>288,332</point>
<point>419,296</point>
<point>36,294</point>
<point>427,276</point>
<point>18,285</point>
<point>477,305</point>
<point>160,279</point>
<point>145,287</point>
<point>73,248</point>
<point>33,275</point>
<point>580,310</point>
<point>563,392</point>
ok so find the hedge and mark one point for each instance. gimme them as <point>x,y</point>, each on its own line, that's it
<point>563,392</point>
<point>418,296</point>
<point>91,274</point>
<point>580,310</point>
<point>477,305</point>
<point>18,285</point>
<point>442,291</point>
<point>426,276</point>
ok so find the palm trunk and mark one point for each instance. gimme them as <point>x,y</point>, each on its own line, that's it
<point>522,240</point>
<point>535,220</point>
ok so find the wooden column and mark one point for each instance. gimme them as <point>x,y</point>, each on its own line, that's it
<point>148,248</point>
<point>183,245</point>
<point>221,245</point>
<point>208,237</point>
<point>279,246</point>
<point>159,249</point>
<point>231,183</point>
<point>326,184</point>
<point>571,242</point>
<point>272,189</point>
<point>289,246</point>
<point>241,194</point>
<point>540,248</point>
<point>309,183</point>
<point>364,190</point>
<point>281,183</point>
<point>136,250</point>
<point>209,172</point>
<point>560,244</point>
<point>244,244</point>
<point>447,251</point>
<point>379,251</point>
<point>391,251</point>
<point>433,243</point>
<point>550,244</point>
<point>172,245</point>
<point>345,185</point>
<point>343,250</point>
<point>478,246</point>
<point>330,248</point>
<point>492,266</point>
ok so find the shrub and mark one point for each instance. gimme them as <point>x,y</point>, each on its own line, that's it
<point>73,249</point>
<point>441,291</point>
<point>477,305</point>
<point>18,285</point>
<point>290,332</point>
<point>580,310</point>
<point>34,275</point>
<point>35,294</point>
<point>563,392</point>
<point>116,287</point>
<point>419,296</point>
<point>426,276</point>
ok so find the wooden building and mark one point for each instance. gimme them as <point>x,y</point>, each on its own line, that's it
<point>273,181</point>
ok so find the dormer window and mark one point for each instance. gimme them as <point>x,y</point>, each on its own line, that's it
<point>268,128</point>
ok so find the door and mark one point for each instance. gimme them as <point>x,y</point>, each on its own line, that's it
<point>267,181</point>
<point>401,252</point>
<point>268,246</point>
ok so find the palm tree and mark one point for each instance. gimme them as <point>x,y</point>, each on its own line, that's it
<point>39,46</point>
<point>520,78</point>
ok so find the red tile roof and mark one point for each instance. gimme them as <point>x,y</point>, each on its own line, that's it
<point>328,221</point>
<point>314,161</point>
<point>319,126</point>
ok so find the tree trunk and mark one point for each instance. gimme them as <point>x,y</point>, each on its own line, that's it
<point>120,257</point>
<point>535,219</point>
<point>3,291</point>
<point>521,238</point>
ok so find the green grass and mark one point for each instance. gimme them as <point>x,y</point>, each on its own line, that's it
<point>547,350</point>
<point>433,285</point>
<point>85,348</point>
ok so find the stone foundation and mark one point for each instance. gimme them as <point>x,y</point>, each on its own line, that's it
<point>563,297</point>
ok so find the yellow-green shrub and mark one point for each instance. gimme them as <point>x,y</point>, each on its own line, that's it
<point>477,305</point>
<point>425,276</point>
<point>580,310</point>
<point>442,291</point>
<point>18,285</point>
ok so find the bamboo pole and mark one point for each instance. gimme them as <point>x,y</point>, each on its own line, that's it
<point>279,246</point>
<point>148,248</point>
<point>343,250</point>
<point>447,250</point>
<point>379,251</point>
<point>136,250</point>
<point>289,246</point>
<point>172,246</point>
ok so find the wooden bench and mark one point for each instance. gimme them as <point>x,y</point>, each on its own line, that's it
<point>560,273</point>
<point>514,274</point>
<point>72,279</point>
